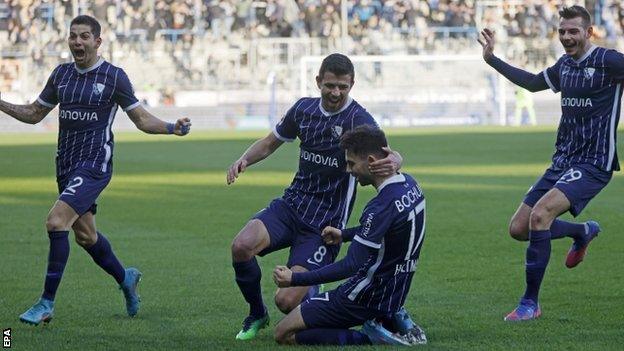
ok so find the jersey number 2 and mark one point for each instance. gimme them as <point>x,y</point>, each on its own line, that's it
<point>71,188</point>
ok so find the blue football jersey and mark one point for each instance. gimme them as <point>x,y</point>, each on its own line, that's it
<point>393,223</point>
<point>88,100</point>
<point>591,90</point>
<point>322,193</point>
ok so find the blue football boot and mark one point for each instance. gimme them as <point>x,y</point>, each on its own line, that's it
<point>379,335</point>
<point>42,311</point>
<point>402,323</point>
<point>527,310</point>
<point>129,288</point>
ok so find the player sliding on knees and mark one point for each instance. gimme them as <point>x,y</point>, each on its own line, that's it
<point>590,81</point>
<point>321,193</point>
<point>88,92</point>
<point>380,262</point>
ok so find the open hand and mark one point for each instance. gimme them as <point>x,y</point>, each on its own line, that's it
<point>386,166</point>
<point>235,169</point>
<point>487,43</point>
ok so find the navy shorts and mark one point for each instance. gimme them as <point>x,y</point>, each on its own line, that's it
<point>286,229</point>
<point>81,187</point>
<point>579,183</point>
<point>334,310</point>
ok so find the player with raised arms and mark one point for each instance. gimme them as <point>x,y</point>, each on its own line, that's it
<point>88,92</point>
<point>321,193</point>
<point>590,81</point>
<point>380,262</point>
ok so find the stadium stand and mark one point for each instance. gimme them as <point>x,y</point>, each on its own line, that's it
<point>226,45</point>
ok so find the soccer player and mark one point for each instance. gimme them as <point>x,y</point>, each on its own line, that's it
<point>88,92</point>
<point>380,262</point>
<point>590,81</point>
<point>321,193</point>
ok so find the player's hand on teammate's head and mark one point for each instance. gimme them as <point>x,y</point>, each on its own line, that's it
<point>282,276</point>
<point>331,235</point>
<point>487,42</point>
<point>182,126</point>
<point>386,166</point>
<point>235,169</point>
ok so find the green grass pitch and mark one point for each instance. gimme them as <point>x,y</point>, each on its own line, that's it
<point>168,212</point>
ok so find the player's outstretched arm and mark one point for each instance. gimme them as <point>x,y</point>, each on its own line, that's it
<point>357,256</point>
<point>148,123</point>
<point>520,77</point>
<point>258,151</point>
<point>31,113</point>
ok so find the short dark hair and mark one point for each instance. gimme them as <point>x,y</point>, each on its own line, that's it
<point>364,140</point>
<point>96,29</point>
<point>337,64</point>
<point>574,12</point>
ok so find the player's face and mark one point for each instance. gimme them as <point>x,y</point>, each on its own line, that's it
<point>574,36</point>
<point>83,45</point>
<point>334,90</point>
<point>357,166</point>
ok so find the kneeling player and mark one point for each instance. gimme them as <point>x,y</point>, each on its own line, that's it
<point>380,261</point>
<point>321,193</point>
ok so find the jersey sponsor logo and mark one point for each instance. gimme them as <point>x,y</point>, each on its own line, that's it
<point>408,199</point>
<point>589,72</point>
<point>576,102</point>
<point>337,131</point>
<point>78,116</point>
<point>367,225</point>
<point>408,266</point>
<point>98,88</point>
<point>319,159</point>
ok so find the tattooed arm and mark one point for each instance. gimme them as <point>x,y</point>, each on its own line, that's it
<point>31,113</point>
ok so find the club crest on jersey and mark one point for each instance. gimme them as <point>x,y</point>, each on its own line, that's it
<point>98,88</point>
<point>337,131</point>
<point>589,72</point>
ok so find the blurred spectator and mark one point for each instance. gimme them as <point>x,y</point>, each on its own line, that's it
<point>167,97</point>
<point>221,16</point>
<point>191,31</point>
<point>22,19</point>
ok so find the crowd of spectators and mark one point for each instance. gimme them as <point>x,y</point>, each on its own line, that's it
<point>38,28</point>
<point>20,20</point>
<point>24,20</point>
